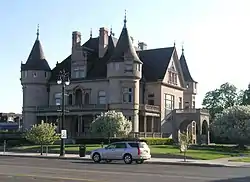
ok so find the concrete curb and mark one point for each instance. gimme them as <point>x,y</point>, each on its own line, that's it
<point>146,162</point>
<point>186,164</point>
<point>45,157</point>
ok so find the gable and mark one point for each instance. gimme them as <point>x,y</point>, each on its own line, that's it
<point>173,74</point>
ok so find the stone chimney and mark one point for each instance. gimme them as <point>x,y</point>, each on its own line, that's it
<point>142,46</point>
<point>76,39</point>
<point>103,41</point>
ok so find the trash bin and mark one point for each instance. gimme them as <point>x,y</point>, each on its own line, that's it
<point>82,151</point>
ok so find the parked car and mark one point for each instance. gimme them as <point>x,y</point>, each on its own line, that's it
<point>128,151</point>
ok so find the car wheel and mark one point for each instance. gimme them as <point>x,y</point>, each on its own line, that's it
<point>108,161</point>
<point>127,159</point>
<point>139,161</point>
<point>96,157</point>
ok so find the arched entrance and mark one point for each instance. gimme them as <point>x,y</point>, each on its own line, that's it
<point>189,127</point>
<point>204,132</point>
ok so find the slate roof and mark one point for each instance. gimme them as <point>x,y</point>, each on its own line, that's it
<point>186,74</point>
<point>36,59</point>
<point>124,45</point>
<point>155,61</point>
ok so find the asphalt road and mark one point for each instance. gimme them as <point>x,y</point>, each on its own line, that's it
<point>14,169</point>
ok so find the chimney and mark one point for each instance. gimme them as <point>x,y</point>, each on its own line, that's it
<point>103,41</point>
<point>142,46</point>
<point>76,39</point>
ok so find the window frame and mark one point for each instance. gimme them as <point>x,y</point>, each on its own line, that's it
<point>102,96</point>
<point>127,94</point>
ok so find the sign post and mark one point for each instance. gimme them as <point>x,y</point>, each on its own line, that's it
<point>64,134</point>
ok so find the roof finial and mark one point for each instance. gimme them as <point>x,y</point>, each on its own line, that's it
<point>111,30</point>
<point>91,33</point>
<point>125,18</point>
<point>37,32</point>
<point>182,48</point>
<point>174,43</point>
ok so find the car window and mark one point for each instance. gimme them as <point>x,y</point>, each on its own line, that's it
<point>120,145</point>
<point>134,145</point>
<point>143,145</point>
<point>111,146</point>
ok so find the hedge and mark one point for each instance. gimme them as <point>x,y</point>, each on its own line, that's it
<point>149,141</point>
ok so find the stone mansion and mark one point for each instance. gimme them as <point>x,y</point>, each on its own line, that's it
<point>152,87</point>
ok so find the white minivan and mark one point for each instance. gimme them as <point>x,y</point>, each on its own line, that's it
<point>128,151</point>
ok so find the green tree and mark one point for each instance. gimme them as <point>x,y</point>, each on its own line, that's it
<point>234,124</point>
<point>221,98</point>
<point>246,96</point>
<point>42,134</point>
<point>110,124</point>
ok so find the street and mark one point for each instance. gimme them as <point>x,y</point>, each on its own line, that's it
<point>14,169</point>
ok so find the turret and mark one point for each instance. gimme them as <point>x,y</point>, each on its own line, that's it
<point>124,71</point>
<point>35,74</point>
<point>190,84</point>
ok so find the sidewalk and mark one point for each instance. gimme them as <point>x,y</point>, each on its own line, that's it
<point>162,161</point>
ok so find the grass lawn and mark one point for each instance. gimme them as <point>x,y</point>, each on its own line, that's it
<point>243,159</point>
<point>203,152</point>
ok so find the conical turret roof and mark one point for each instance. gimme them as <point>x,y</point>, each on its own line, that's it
<point>36,59</point>
<point>124,46</point>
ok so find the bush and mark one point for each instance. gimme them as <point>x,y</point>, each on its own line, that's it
<point>149,141</point>
<point>159,141</point>
<point>12,142</point>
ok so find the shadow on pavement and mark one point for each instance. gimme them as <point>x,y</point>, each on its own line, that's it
<point>112,163</point>
<point>241,179</point>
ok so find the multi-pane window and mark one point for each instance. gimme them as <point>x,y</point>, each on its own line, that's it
<point>34,74</point>
<point>127,94</point>
<point>102,97</point>
<point>169,102</point>
<point>79,72</point>
<point>58,98</point>
<point>172,77</point>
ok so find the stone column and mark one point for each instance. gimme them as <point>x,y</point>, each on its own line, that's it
<point>145,124</point>
<point>152,123</point>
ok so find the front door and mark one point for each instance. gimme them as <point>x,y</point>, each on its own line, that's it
<point>109,152</point>
<point>119,150</point>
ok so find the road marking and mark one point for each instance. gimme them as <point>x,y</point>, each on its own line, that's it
<point>48,177</point>
<point>117,173</point>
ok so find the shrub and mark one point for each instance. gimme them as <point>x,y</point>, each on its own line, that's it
<point>159,141</point>
<point>149,141</point>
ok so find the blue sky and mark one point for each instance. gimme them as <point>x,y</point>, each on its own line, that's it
<point>216,35</point>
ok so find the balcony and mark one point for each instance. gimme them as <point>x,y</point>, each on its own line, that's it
<point>190,110</point>
<point>73,108</point>
<point>150,108</point>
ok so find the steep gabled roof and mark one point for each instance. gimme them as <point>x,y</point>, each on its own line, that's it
<point>155,62</point>
<point>186,74</point>
<point>123,46</point>
<point>36,59</point>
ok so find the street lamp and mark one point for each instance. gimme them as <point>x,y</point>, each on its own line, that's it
<point>64,81</point>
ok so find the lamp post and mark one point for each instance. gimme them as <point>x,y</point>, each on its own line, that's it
<point>63,80</point>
